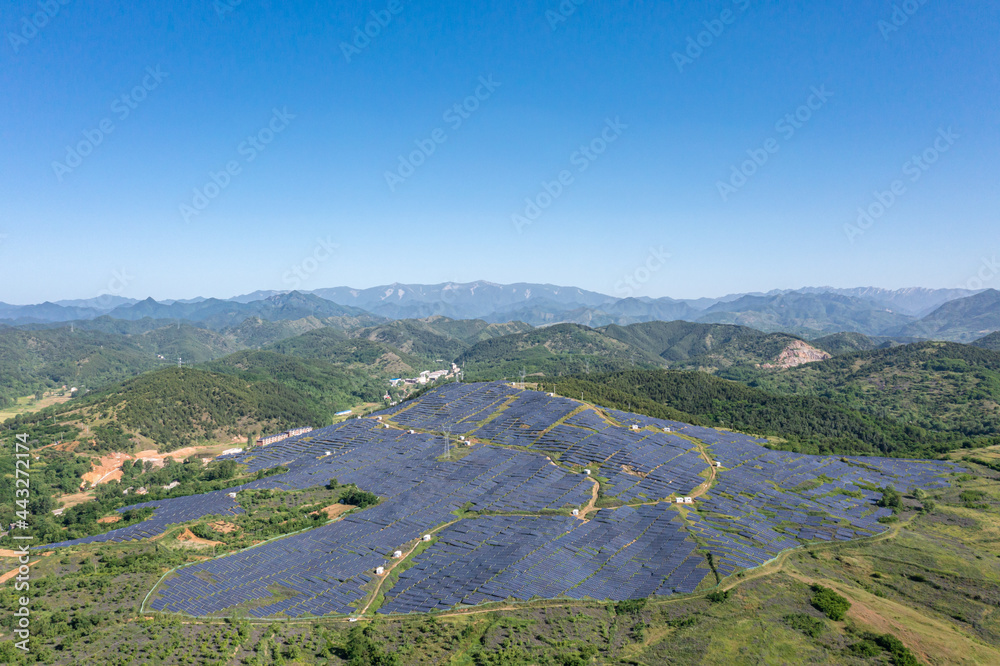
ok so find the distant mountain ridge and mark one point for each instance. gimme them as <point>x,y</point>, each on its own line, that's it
<point>811,312</point>
<point>962,320</point>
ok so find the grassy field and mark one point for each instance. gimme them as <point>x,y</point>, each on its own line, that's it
<point>28,404</point>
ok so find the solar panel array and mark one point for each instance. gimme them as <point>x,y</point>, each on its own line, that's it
<point>624,554</point>
<point>762,502</point>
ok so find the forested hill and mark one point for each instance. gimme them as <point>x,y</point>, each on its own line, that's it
<point>172,408</point>
<point>991,342</point>
<point>551,351</point>
<point>939,386</point>
<point>809,424</point>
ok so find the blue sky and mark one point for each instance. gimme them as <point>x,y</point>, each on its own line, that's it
<point>666,120</point>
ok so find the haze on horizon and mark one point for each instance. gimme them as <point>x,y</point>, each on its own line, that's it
<point>735,147</point>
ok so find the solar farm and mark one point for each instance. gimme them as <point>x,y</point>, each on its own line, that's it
<point>553,499</point>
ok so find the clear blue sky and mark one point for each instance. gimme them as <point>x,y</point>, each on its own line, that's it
<point>68,230</point>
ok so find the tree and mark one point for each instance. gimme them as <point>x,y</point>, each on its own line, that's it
<point>891,498</point>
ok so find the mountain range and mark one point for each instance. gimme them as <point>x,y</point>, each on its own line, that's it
<point>814,312</point>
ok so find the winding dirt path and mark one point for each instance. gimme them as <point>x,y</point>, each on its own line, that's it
<point>705,487</point>
<point>388,570</point>
<point>592,504</point>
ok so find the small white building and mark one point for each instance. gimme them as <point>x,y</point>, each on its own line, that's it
<point>426,537</point>
<point>635,428</point>
<point>587,472</point>
<point>379,571</point>
<point>576,512</point>
<point>689,500</point>
<point>398,554</point>
<point>680,500</point>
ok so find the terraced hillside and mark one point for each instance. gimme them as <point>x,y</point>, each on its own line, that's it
<point>552,498</point>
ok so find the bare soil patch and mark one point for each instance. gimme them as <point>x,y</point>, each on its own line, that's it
<point>13,572</point>
<point>75,499</point>
<point>222,527</point>
<point>334,510</point>
<point>109,519</point>
<point>106,469</point>
<point>632,472</point>
<point>187,537</point>
<point>797,353</point>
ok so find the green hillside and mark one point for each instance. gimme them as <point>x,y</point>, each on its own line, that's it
<point>323,386</point>
<point>941,386</point>
<point>244,395</point>
<point>552,351</point>
<point>809,315</point>
<point>847,343</point>
<point>256,332</point>
<point>680,340</point>
<point>44,358</point>
<point>415,337</point>
<point>961,320</point>
<point>991,342</point>
<point>335,347</point>
<point>34,360</point>
<point>175,408</point>
<point>472,331</point>
<point>809,424</point>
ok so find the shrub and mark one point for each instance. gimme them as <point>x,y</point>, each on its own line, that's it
<point>891,498</point>
<point>359,498</point>
<point>866,648</point>
<point>807,624</point>
<point>630,606</point>
<point>830,603</point>
<point>901,655</point>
